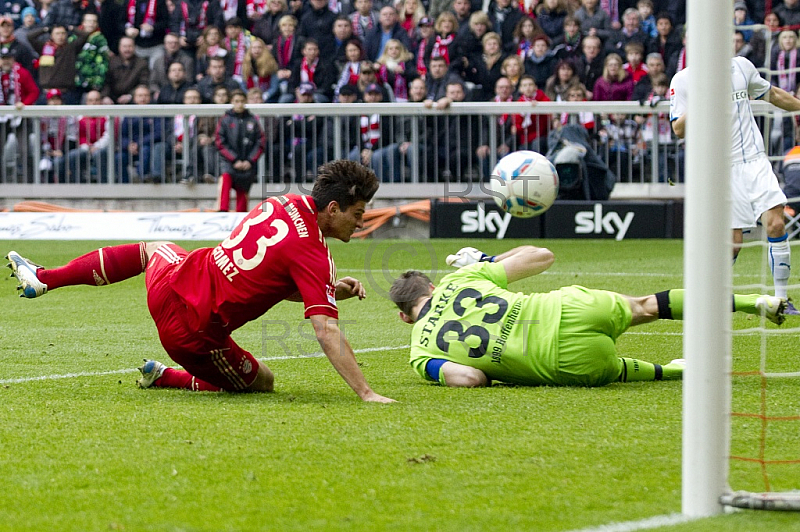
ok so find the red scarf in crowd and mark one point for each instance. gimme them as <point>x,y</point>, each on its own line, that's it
<point>527,120</point>
<point>10,85</point>
<point>400,86</point>
<point>284,51</point>
<point>256,81</point>
<point>682,59</point>
<point>178,128</point>
<point>525,49</point>
<point>422,69</point>
<point>527,7</point>
<point>149,14</point>
<point>202,18</point>
<point>787,80</point>
<point>370,131</point>
<point>440,47</point>
<point>48,57</point>
<point>611,7</point>
<point>241,48</point>
<point>362,28</point>
<point>307,71</point>
<point>54,132</point>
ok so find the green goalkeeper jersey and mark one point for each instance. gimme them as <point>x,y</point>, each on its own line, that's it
<point>473,320</point>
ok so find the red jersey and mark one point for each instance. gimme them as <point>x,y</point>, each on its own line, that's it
<point>277,250</point>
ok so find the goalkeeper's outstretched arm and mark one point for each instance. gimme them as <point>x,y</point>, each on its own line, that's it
<point>525,261</point>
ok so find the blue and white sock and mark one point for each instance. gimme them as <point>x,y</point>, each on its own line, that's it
<point>780,263</point>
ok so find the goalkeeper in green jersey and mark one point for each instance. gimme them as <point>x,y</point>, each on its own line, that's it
<point>471,330</point>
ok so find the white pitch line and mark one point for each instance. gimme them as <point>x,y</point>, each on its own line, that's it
<point>643,524</point>
<point>20,380</point>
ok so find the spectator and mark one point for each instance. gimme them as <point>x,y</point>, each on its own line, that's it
<point>655,66</point>
<point>550,14</point>
<point>645,8</point>
<point>462,9</point>
<point>503,18</point>
<point>22,52</point>
<point>590,63</point>
<point>354,54</point>
<point>296,8</point>
<point>594,20</point>
<point>437,79</point>
<point>172,53</point>
<point>789,12</point>
<point>486,68</point>
<point>503,124</point>
<point>91,65</point>
<point>568,44</point>
<point>43,7</point>
<point>56,135</point>
<point>577,93</point>
<point>287,52</point>
<point>388,28</point>
<point>188,23</point>
<point>410,12</point>
<point>318,24</point>
<point>259,68</point>
<point>634,54</point>
<point>542,61</point>
<point>760,38</point>
<point>558,84</point>
<point>17,88</point>
<point>367,76</point>
<point>426,35</point>
<point>744,49</point>
<point>265,27</point>
<point>647,123</point>
<point>513,68</point>
<point>342,33</point>
<point>631,31</point>
<point>111,20</point>
<point>237,43</point>
<point>208,156</point>
<point>57,59</point>
<point>185,141</point>
<point>68,13</point>
<point>311,69</point>
<point>215,78</point>
<point>233,9</point>
<point>677,62</point>
<point>141,143</point>
<point>126,71</point>
<point>531,129</point>
<point>305,134</point>
<point>527,29</point>
<point>147,22</point>
<point>94,135</point>
<point>442,43</point>
<point>615,84</point>
<point>210,46</point>
<point>364,18</point>
<point>172,92</point>
<point>396,68</point>
<point>459,136</point>
<point>667,42</point>
<point>30,21</point>
<point>377,146</point>
<point>348,127</point>
<point>240,142</point>
<point>469,42</point>
<point>785,62</point>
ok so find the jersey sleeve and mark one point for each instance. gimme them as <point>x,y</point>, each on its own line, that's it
<point>757,86</point>
<point>677,96</point>
<point>315,282</point>
<point>491,271</point>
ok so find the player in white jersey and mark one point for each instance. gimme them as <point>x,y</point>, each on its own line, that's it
<point>754,188</point>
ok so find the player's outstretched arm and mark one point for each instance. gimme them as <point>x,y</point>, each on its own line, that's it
<point>340,354</point>
<point>785,100</point>
<point>461,376</point>
<point>525,261</point>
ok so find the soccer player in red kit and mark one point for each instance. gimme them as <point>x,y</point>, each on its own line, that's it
<point>198,298</point>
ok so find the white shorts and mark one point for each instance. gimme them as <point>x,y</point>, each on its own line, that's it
<point>754,190</point>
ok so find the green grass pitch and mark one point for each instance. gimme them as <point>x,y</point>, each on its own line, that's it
<point>84,449</point>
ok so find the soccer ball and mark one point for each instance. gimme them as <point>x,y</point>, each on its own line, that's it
<point>524,184</point>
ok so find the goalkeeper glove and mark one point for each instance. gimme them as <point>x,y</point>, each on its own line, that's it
<point>467,256</point>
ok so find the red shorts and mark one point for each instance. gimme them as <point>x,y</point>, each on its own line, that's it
<point>209,355</point>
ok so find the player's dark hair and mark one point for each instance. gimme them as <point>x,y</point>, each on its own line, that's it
<point>408,288</point>
<point>345,182</point>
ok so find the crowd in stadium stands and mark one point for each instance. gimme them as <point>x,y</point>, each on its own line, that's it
<point>433,51</point>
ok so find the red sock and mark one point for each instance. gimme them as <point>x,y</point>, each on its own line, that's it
<point>178,378</point>
<point>99,267</point>
<point>242,201</point>
<point>225,192</point>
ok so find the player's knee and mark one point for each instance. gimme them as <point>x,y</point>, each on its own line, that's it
<point>265,380</point>
<point>151,247</point>
<point>776,227</point>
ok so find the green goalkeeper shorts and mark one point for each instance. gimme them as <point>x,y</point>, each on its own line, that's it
<point>591,322</point>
